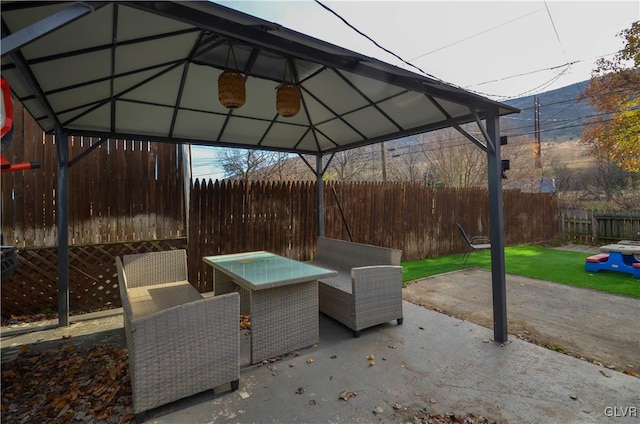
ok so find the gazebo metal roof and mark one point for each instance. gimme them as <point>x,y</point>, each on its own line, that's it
<point>148,71</point>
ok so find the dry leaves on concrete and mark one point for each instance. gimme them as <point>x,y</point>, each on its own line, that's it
<point>67,385</point>
<point>452,419</point>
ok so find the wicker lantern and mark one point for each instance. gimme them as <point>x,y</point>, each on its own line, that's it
<point>288,100</point>
<point>287,96</point>
<point>231,89</point>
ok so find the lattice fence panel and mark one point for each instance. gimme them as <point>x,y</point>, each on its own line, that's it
<point>93,282</point>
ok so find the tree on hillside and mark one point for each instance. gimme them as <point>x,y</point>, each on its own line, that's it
<point>408,165</point>
<point>613,89</point>
<point>248,164</point>
<point>456,161</point>
<point>348,165</point>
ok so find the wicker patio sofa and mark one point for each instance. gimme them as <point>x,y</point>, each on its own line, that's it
<point>368,288</point>
<point>179,343</point>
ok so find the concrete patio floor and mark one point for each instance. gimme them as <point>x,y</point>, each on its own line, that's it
<point>432,363</point>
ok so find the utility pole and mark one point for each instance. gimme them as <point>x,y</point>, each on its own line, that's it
<point>537,149</point>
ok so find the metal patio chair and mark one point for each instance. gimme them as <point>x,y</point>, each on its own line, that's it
<point>474,243</point>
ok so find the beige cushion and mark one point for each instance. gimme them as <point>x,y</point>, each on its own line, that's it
<point>147,300</point>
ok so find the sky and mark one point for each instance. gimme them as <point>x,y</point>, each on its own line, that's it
<point>499,49</point>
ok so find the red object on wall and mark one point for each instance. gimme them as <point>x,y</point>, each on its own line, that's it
<point>7,108</point>
<point>7,125</point>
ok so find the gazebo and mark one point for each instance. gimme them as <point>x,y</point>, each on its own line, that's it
<point>161,71</point>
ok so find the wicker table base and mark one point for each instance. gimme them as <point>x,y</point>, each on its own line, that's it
<point>284,311</point>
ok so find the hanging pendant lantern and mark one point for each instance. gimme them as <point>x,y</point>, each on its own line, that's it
<point>231,88</point>
<point>287,96</point>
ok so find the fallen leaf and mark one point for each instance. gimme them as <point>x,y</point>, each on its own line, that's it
<point>629,372</point>
<point>300,390</point>
<point>372,364</point>
<point>346,395</point>
<point>9,374</point>
<point>371,357</point>
<point>309,361</point>
<point>112,372</point>
<point>245,322</point>
<point>63,411</point>
<point>312,402</point>
<point>378,410</point>
<point>59,403</point>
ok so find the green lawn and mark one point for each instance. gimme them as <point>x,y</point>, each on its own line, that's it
<point>558,266</point>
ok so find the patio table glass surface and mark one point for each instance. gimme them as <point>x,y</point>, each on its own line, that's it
<point>261,270</point>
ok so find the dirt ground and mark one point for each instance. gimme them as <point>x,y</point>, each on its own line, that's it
<point>599,327</point>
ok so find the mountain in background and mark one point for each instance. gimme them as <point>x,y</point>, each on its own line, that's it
<point>562,115</point>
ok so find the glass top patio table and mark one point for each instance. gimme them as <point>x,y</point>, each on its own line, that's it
<point>264,270</point>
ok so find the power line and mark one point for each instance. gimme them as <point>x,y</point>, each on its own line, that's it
<point>524,74</point>
<point>531,73</point>
<point>620,90</point>
<point>542,86</point>
<point>516,134</point>
<point>553,24</point>
<point>474,35</point>
<point>376,43</point>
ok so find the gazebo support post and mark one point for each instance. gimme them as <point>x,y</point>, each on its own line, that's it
<point>62,145</point>
<point>496,218</point>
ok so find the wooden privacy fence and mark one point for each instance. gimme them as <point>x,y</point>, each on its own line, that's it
<point>229,217</point>
<point>122,190</point>
<point>584,226</point>
<point>232,216</point>
<point>93,282</point>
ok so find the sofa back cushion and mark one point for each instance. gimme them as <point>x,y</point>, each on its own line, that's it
<point>346,255</point>
<point>145,269</point>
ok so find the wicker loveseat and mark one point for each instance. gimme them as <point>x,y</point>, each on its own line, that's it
<point>368,288</point>
<point>179,343</point>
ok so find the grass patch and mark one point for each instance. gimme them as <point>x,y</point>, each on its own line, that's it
<point>558,266</point>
